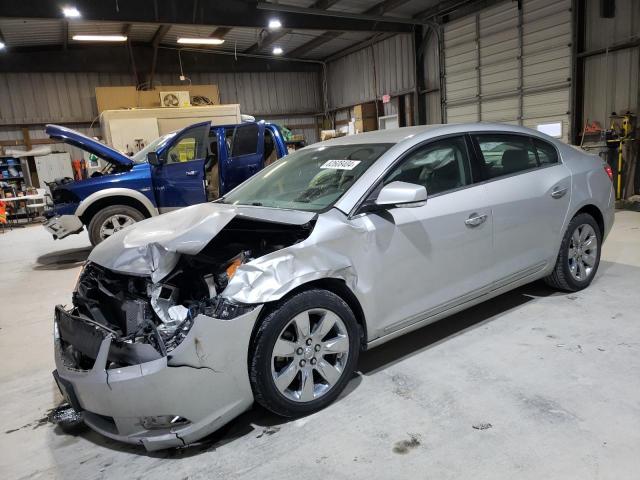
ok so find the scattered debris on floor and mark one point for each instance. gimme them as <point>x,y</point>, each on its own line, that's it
<point>268,431</point>
<point>62,415</point>
<point>404,446</point>
<point>66,417</point>
<point>482,426</point>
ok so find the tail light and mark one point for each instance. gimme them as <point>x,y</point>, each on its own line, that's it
<point>607,168</point>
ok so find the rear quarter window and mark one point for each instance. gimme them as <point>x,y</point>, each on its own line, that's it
<point>547,153</point>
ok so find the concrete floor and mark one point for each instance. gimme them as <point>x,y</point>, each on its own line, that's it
<point>555,375</point>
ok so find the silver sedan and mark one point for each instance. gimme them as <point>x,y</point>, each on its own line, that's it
<point>180,322</point>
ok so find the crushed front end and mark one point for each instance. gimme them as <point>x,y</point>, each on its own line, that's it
<point>156,364</point>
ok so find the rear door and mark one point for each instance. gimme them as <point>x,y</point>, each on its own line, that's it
<point>179,180</point>
<point>245,154</point>
<point>528,189</point>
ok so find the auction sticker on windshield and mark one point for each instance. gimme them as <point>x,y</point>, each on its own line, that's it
<point>340,164</point>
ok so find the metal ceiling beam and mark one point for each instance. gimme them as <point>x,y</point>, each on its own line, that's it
<point>378,9</point>
<point>273,37</point>
<point>96,58</point>
<point>65,34</point>
<point>236,13</point>
<point>338,15</point>
<point>268,40</point>
<point>155,43</point>
<point>307,47</point>
<point>220,32</point>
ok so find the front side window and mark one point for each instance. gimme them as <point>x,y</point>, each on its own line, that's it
<point>505,154</point>
<point>311,179</point>
<point>190,146</point>
<point>439,166</point>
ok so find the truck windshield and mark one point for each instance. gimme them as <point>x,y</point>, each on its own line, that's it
<point>311,179</point>
<point>141,156</point>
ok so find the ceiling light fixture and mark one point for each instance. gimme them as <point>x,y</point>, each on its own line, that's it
<point>70,12</point>
<point>2,45</point>
<point>100,38</point>
<point>274,24</point>
<point>201,41</point>
<point>277,51</point>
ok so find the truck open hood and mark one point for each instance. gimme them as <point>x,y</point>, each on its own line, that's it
<point>88,144</point>
<point>153,247</point>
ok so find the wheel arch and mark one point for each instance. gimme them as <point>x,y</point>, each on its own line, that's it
<point>336,286</point>
<point>595,212</point>
<point>114,196</point>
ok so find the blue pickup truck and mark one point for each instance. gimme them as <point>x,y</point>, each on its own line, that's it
<point>196,164</point>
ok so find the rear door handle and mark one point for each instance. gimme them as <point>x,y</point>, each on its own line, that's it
<point>559,192</point>
<point>474,220</point>
<point>191,173</point>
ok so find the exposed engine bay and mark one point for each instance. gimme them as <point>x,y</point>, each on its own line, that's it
<point>148,320</point>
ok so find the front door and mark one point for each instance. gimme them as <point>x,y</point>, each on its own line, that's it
<point>179,180</point>
<point>434,256</point>
<point>245,154</point>
<point>528,191</point>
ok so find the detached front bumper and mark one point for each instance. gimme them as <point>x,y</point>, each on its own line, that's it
<point>61,226</point>
<point>204,383</point>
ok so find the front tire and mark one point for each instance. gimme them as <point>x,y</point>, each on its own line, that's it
<point>579,255</point>
<point>111,219</point>
<point>304,353</point>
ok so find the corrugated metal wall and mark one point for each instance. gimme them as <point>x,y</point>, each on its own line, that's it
<point>70,97</point>
<point>611,79</point>
<point>508,66</point>
<point>387,67</point>
<point>38,98</point>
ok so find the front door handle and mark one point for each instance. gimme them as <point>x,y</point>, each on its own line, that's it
<point>474,220</point>
<point>191,173</point>
<point>559,192</point>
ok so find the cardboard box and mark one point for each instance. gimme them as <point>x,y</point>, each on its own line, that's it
<point>117,98</point>
<point>366,117</point>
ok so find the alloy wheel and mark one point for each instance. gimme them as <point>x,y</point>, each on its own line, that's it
<point>115,223</point>
<point>309,355</point>
<point>583,252</point>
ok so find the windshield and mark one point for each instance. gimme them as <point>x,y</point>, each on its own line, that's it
<point>311,179</point>
<point>141,156</point>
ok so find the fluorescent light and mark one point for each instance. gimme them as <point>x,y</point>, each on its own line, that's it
<point>2,45</point>
<point>277,51</point>
<point>274,24</point>
<point>70,12</point>
<point>100,38</point>
<point>201,41</point>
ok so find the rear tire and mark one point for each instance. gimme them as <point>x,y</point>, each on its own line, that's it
<point>579,255</point>
<point>293,367</point>
<point>110,220</point>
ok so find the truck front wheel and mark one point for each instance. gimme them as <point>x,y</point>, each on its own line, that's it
<point>111,219</point>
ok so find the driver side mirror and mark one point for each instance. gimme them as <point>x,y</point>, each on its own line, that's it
<point>153,159</point>
<point>401,194</point>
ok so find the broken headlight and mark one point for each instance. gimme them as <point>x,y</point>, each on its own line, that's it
<point>226,309</point>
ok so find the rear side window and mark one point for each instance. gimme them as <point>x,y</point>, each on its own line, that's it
<point>505,154</point>
<point>245,140</point>
<point>547,154</point>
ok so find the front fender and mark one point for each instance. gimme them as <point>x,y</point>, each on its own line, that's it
<point>271,277</point>
<point>116,192</point>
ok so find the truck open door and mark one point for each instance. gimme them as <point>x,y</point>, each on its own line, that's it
<point>178,175</point>
<point>245,154</point>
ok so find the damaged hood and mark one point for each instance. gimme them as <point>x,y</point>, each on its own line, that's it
<point>153,247</point>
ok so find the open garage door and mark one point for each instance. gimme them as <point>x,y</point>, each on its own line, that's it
<point>509,65</point>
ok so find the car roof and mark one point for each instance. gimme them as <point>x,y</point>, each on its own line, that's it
<point>423,132</point>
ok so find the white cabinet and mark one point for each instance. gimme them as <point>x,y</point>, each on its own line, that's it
<point>52,166</point>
